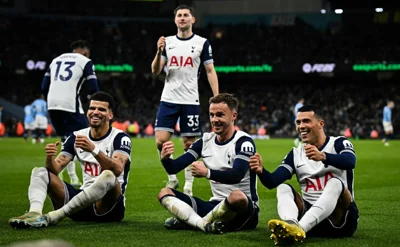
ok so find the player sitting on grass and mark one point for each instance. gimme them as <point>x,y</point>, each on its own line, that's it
<point>324,168</point>
<point>104,154</point>
<point>225,153</point>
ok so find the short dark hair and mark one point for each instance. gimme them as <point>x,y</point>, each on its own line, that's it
<point>227,98</point>
<point>104,97</point>
<point>318,112</point>
<point>191,9</point>
<point>80,44</point>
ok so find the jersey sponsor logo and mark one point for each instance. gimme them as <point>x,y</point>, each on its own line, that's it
<point>318,183</point>
<point>181,61</point>
<point>347,145</point>
<point>247,148</point>
<point>126,142</point>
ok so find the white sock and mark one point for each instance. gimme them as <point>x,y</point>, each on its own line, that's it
<point>220,212</point>
<point>105,182</point>
<point>37,191</point>
<point>324,206</point>
<point>287,208</point>
<point>71,171</point>
<point>171,177</point>
<point>183,212</point>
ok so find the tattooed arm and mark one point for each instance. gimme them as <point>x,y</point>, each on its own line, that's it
<point>56,165</point>
<point>116,164</point>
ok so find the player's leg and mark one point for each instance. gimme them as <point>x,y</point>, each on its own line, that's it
<point>27,129</point>
<point>187,210</point>
<point>290,206</point>
<point>104,192</point>
<point>167,116</point>
<point>42,125</point>
<point>42,183</point>
<point>236,212</point>
<point>190,127</point>
<point>335,212</point>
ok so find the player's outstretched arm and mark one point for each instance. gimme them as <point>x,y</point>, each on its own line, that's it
<point>177,165</point>
<point>56,165</point>
<point>270,180</point>
<point>158,63</point>
<point>212,78</point>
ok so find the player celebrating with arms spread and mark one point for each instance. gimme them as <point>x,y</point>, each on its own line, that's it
<point>182,54</point>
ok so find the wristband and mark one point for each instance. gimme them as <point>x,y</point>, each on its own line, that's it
<point>95,151</point>
<point>208,174</point>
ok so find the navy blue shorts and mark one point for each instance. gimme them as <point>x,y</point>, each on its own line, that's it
<point>89,214</point>
<point>188,115</point>
<point>326,229</point>
<point>243,221</point>
<point>65,123</point>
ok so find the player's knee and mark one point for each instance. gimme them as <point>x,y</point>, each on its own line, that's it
<point>39,171</point>
<point>107,179</point>
<point>335,185</point>
<point>284,189</point>
<point>163,192</point>
<point>160,142</point>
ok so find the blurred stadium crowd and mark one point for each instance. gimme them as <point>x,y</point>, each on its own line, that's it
<point>351,100</point>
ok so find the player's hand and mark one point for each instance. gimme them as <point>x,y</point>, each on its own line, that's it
<point>256,163</point>
<point>313,153</point>
<point>161,44</point>
<point>84,143</point>
<point>167,150</point>
<point>52,149</point>
<point>199,169</point>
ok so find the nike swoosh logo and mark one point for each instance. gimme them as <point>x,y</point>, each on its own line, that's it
<point>81,151</point>
<point>170,48</point>
<point>300,165</point>
<point>194,129</point>
<point>203,156</point>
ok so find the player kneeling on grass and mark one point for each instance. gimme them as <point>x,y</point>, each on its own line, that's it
<point>324,168</point>
<point>104,154</point>
<point>225,154</point>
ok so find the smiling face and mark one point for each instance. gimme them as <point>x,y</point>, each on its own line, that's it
<point>222,118</point>
<point>184,19</point>
<point>99,114</point>
<point>309,126</point>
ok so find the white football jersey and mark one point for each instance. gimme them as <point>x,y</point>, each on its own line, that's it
<point>183,59</point>
<point>221,156</point>
<point>114,141</point>
<point>313,175</point>
<point>67,74</point>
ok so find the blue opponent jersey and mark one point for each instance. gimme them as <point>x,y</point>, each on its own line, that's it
<point>40,107</point>
<point>29,114</point>
<point>387,114</point>
<point>297,107</point>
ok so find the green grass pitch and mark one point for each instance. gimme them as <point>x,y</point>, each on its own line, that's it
<point>377,193</point>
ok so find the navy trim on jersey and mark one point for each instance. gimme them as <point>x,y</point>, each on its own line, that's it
<point>69,145</point>
<point>326,142</point>
<point>350,177</point>
<point>345,158</point>
<point>196,148</point>
<point>188,38</point>
<point>125,148</point>
<point>101,138</point>
<point>205,53</point>
<point>90,77</point>
<point>164,52</point>
<point>253,184</point>
<point>288,162</point>
<point>247,151</point>
<point>225,142</point>
<point>127,168</point>
<point>78,86</point>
